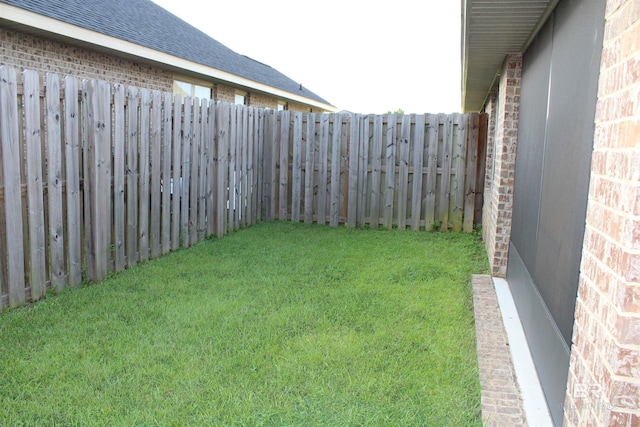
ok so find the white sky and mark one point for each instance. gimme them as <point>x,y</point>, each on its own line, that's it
<point>365,56</point>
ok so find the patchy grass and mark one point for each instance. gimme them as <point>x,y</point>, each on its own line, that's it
<point>279,324</point>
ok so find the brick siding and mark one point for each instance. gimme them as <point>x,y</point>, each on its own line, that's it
<point>604,375</point>
<point>501,160</point>
<point>27,52</point>
<point>225,93</point>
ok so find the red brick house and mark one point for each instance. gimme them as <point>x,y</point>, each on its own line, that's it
<point>139,43</point>
<point>561,222</point>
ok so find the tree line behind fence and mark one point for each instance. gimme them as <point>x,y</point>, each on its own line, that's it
<point>96,177</point>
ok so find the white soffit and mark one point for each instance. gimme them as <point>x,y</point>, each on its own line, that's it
<point>492,29</point>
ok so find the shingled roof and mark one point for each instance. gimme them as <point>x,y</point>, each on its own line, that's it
<point>145,23</point>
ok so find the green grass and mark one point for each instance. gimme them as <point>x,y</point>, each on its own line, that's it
<point>280,324</point>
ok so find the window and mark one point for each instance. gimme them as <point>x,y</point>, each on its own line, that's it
<point>241,98</point>
<point>191,89</point>
<point>282,106</point>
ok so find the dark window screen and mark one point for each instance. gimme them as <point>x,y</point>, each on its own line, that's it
<point>555,142</point>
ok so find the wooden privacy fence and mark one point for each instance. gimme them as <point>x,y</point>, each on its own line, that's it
<point>97,177</point>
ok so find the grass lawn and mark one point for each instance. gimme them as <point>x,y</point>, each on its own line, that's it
<point>281,324</point>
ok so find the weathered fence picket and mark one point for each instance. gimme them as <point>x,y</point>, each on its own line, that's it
<point>376,174</point>
<point>323,149</point>
<point>184,181</point>
<point>110,176</point>
<point>155,172</point>
<point>363,157</point>
<point>418,161</point>
<point>72,169</point>
<point>143,175</point>
<point>336,145</point>
<point>119,177</point>
<point>54,182</point>
<point>390,171</point>
<point>166,174</point>
<point>354,146</point>
<point>222,112</point>
<point>132,172</point>
<point>175,187</point>
<point>311,147</point>
<point>35,204</point>
<point>296,175</point>
<point>14,280</point>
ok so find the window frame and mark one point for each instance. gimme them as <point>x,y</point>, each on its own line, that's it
<point>194,84</point>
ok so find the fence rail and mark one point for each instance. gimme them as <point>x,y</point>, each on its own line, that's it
<point>97,177</point>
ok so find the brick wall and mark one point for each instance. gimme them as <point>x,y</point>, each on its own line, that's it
<point>24,51</point>
<point>296,106</point>
<point>490,108</point>
<point>604,375</point>
<point>225,93</point>
<point>501,159</point>
<point>489,207</point>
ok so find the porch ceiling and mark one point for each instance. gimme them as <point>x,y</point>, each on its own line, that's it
<point>492,29</point>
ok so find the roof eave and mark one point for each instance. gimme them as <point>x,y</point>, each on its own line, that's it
<point>528,16</point>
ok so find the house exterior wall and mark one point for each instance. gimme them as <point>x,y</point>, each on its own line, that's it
<point>224,93</point>
<point>25,51</point>
<point>501,158</point>
<point>28,52</point>
<point>604,375</point>
<point>491,110</point>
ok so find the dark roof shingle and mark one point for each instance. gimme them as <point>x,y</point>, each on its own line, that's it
<point>145,23</point>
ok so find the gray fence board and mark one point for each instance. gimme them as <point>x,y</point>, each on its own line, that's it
<point>72,169</point>
<point>119,177</point>
<point>9,131</point>
<point>54,182</point>
<point>35,203</point>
